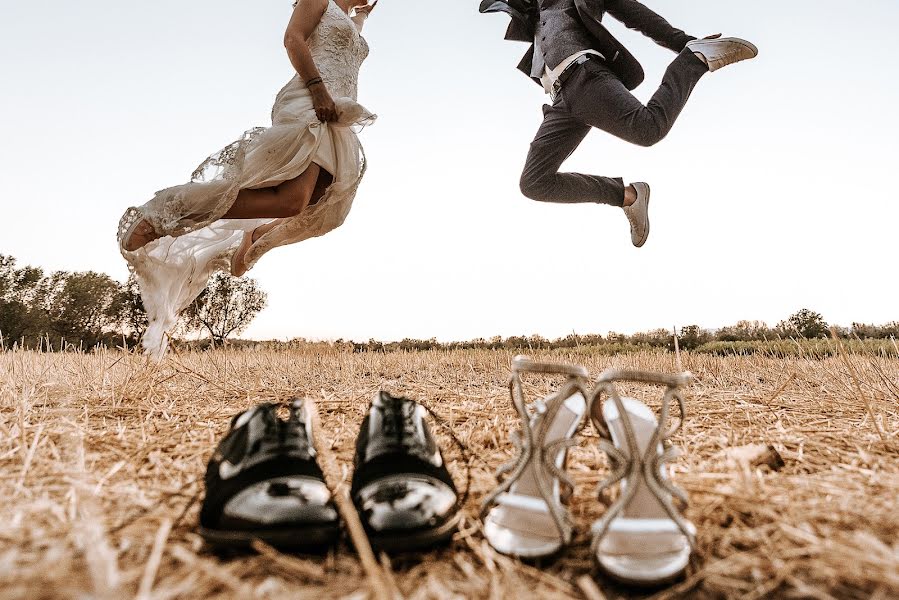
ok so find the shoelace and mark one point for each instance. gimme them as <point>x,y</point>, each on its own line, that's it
<point>399,422</point>
<point>467,456</point>
<point>281,434</point>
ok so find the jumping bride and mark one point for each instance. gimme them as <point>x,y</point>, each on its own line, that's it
<point>274,186</point>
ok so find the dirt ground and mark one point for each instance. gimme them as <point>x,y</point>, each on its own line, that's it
<point>102,459</point>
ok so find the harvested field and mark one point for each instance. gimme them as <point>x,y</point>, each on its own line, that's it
<point>102,459</point>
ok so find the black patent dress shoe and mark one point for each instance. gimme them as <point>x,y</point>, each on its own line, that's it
<point>263,483</point>
<point>401,486</point>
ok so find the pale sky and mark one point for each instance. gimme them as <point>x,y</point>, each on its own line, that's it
<point>772,193</point>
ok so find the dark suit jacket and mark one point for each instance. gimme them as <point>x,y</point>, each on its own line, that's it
<point>634,15</point>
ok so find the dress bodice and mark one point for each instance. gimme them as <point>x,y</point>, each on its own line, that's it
<point>338,50</point>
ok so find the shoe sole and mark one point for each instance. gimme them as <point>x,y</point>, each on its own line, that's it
<point>288,538</point>
<point>126,237</point>
<point>646,231</point>
<point>420,539</point>
<point>742,42</point>
<point>750,45</point>
<point>645,584</point>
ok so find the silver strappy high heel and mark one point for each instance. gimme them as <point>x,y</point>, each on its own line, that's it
<point>524,516</point>
<point>642,538</point>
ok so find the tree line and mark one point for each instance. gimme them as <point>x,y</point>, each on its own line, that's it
<point>63,310</point>
<point>803,324</point>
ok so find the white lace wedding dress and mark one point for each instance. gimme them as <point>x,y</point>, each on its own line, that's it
<point>173,270</point>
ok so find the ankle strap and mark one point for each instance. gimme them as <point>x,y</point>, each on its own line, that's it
<point>673,381</point>
<point>523,364</point>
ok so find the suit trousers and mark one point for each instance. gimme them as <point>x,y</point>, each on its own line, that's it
<point>594,97</point>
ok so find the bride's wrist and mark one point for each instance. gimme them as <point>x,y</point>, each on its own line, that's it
<point>319,91</point>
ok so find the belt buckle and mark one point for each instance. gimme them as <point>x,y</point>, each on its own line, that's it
<point>556,89</point>
<point>557,86</point>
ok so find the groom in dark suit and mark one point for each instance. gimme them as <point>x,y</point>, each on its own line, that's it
<point>589,75</point>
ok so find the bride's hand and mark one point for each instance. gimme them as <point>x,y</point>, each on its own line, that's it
<point>325,109</point>
<point>366,9</point>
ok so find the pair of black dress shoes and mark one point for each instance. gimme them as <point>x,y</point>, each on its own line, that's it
<point>263,482</point>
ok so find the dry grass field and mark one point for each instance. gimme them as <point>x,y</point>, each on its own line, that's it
<point>102,457</point>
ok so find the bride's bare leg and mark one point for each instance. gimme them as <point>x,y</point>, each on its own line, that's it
<point>287,199</point>
<point>322,183</point>
<point>320,186</point>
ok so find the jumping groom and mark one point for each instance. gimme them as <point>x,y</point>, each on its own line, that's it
<point>589,76</point>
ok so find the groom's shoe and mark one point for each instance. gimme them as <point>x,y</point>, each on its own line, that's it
<point>638,215</point>
<point>263,483</point>
<point>401,486</point>
<point>720,52</point>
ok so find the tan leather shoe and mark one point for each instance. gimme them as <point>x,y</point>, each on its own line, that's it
<point>638,215</point>
<point>721,52</point>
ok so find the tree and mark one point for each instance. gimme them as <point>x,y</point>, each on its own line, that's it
<point>692,337</point>
<point>20,319</point>
<point>82,308</point>
<point>227,306</point>
<point>745,331</point>
<point>805,323</point>
<point>133,315</point>
<point>657,338</point>
<point>882,332</point>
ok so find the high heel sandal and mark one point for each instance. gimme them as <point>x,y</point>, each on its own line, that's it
<point>524,516</point>
<point>642,539</point>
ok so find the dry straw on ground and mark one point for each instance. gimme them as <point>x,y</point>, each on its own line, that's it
<point>102,460</point>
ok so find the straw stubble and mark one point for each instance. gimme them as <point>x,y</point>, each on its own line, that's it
<point>102,458</point>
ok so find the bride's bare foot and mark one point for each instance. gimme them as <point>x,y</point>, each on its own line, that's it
<point>238,259</point>
<point>140,235</point>
<point>238,266</point>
